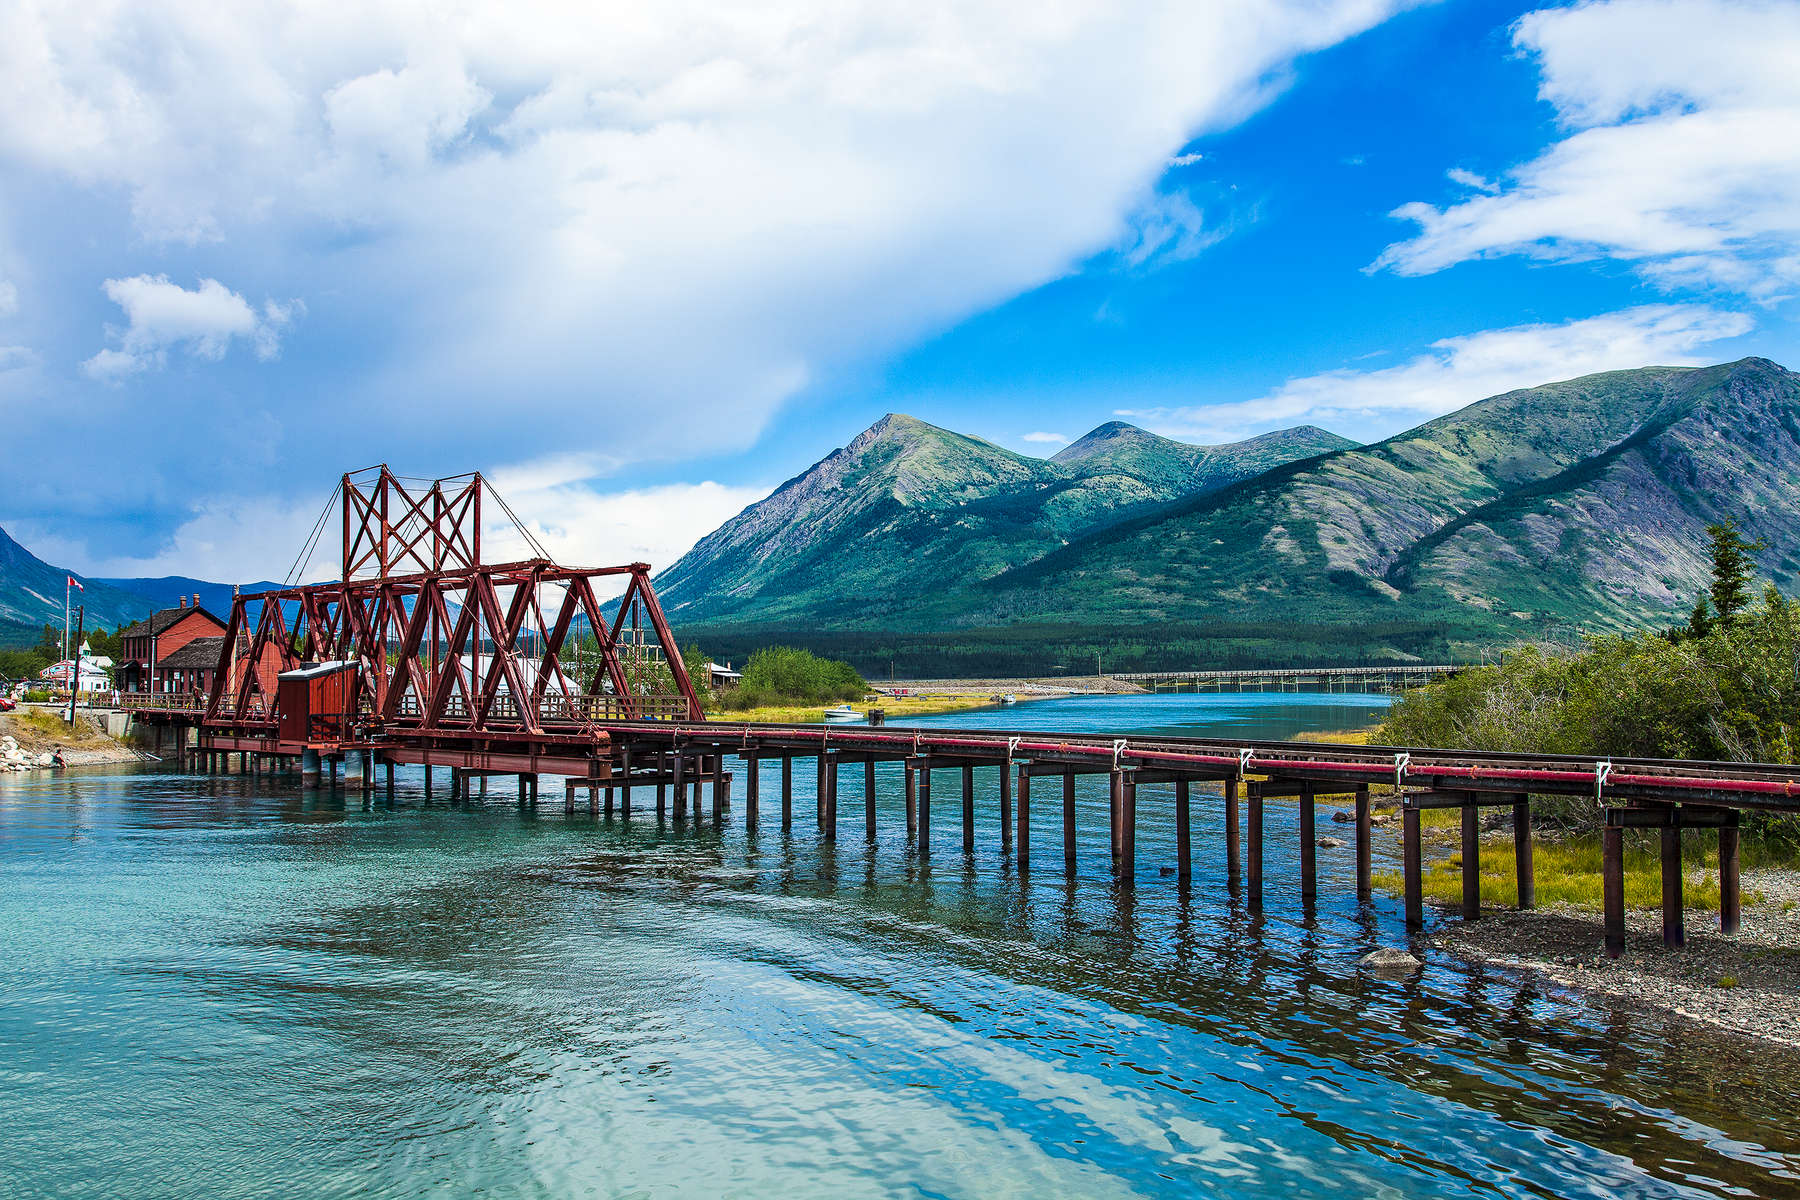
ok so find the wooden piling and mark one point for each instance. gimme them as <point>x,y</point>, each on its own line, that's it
<point>1006,833</point>
<point>925,810</point>
<point>1184,850</point>
<point>787,793</point>
<point>1233,850</point>
<point>1128,832</point>
<point>1730,902</point>
<point>1523,869</point>
<point>752,789</point>
<point>912,799</point>
<point>1309,844</point>
<point>678,796</point>
<point>1612,884</point>
<point>1254,802</point>
<point>1413,866</point>
<point>1364,836</point>
<point>718,791</point>
<point>828,820</point>
<point>1674,934</point>
<point>869,799</point>
<point>625,786</point>
<point>1068,822</point>
<point>662,800</point>
<point>1023,841</point>
<point>1471,860</point>
<point>1115,802</point>
<point>968,808</point>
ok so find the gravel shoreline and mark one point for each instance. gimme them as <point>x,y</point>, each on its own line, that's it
<point>1747,984</point>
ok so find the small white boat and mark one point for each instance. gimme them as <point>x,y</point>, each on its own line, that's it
<point>842,712</point>
<point>1008,698</point>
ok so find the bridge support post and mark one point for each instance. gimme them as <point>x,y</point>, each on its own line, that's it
<point>912,800</point>
<point>1128,832</point>
<point>719,793</point>
<point>1309,845</point>
<point>1730,904</point>
<point>1232,848</point>
<point>925,811</point>
<point>1413,867</point>
<point>390,780</point>
<point>831,781</point>
<point>752,788</point>
<point>675,786</point>
<point>1364,835</point>
<point>695,796</point>
<point>1674,931</point>
<point>1184,849</point>
<point>625,785</point>
<point>1523,869</point>
<point>869,800</point>
<point>428,783</point>
<point>787,792</point>
<point>1115,799</point>
<point>1023,841</point>
<point>309,768</point>
<point>819,791</point>
<point>662,800</point>
<point>1612,881</point>
<point>1068,823</point>
<point>968,808</point>
<point>1253,799</point>
<point>1006,805</point>
<point>1471,859</point>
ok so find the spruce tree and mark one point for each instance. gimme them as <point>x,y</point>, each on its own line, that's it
<point>1730,568</point>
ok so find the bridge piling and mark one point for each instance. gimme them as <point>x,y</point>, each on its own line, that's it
<point>1412,867</point>
<point>1254,876</point>
<point>1128,831</point>
<point>1068,823</point>
<point>1523,869</point>
<point>1612,882</point>
<point>1364,845</point>
<point>925,810</point>
<point>1309,845</point>
<point>787,793</point>
<point>912,799</point>
<point>1184,850</point>
<point>1471,859</point>
<point>752,789</point>
<point>1674,933</point>
<point>1729,899</point>
<point>968,808</point>
<point>1024,836</point>
<point>869,800</point>
<point>1233,847</point>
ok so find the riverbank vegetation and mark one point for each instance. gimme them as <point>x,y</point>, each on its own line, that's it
<point>786,675</point>
<point>1725,685</point>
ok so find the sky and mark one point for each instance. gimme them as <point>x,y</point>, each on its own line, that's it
<point>642,263</point>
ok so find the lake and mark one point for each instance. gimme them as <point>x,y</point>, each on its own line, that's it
<point>218,986</point>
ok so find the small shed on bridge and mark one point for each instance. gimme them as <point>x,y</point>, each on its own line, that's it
<point>317,701</point>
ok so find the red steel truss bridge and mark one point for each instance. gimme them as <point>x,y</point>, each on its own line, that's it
<point>422,653</point>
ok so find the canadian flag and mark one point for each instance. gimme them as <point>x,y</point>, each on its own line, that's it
<point>76,584</point>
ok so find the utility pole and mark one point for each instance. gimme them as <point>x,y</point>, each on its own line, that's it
<point>75,672</point>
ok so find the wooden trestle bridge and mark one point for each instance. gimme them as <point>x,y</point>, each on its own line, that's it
<point>423,654</point>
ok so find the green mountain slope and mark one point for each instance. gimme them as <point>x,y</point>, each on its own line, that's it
<point>31,596</point>
<point>908,512</point>
<point>1580,503</point>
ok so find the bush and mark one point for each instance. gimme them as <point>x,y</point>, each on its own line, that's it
<point>785,675</point>
<point>1730,693</point>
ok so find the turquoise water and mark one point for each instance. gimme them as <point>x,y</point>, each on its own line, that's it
<point>210,988</point>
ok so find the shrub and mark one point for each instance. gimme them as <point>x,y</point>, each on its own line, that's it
<point>786,675</point>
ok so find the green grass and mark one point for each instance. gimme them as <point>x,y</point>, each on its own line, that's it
<point>1568,870</point>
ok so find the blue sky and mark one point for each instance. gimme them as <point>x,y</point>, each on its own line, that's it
<point>641,266</point>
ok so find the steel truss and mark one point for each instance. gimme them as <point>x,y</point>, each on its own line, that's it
<point>445,646</point>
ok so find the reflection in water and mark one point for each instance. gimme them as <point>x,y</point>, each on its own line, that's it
<point>214,989</point>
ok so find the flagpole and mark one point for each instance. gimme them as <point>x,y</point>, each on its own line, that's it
<point>67,579</point>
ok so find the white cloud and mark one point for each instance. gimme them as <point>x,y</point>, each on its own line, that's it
<point>1185,160</point>
<point>161,314</point>
<point>1046,439</point>
<point>1470,179</point>
<point>9,298</point>
<point>648,225</point>
<point>1683,117</point>
<point>1369,405</point>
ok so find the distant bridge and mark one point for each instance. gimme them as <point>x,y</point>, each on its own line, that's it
<point>1394,677</point>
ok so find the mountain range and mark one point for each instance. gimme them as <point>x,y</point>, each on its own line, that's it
<point>1578,506</point>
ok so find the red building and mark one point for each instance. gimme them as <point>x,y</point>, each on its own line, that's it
<point>146,647</point>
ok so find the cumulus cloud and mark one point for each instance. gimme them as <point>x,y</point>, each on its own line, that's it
<point>1369,405</point>
<point>161,315</point>
<point>646,225</point>
<point>1682,116</point>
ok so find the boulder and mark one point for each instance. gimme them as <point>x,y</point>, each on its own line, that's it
<point>1330,843</point>
<point>1390,962</point>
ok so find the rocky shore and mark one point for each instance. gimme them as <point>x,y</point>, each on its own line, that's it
<point>32,740</point>
<point>1748,983</point>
